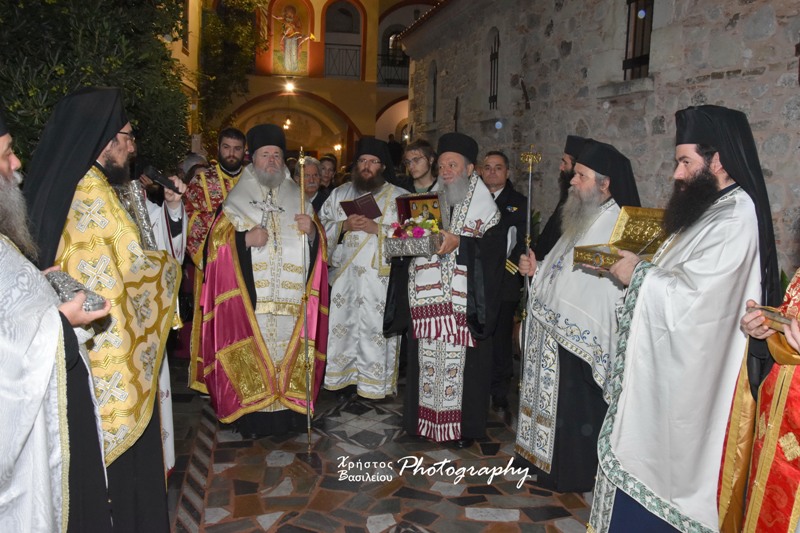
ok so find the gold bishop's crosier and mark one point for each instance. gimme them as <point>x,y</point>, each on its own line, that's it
<point>532,158</point>
<point>304,302</point>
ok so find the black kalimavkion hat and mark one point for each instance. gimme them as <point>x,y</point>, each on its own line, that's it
<point>265,135</point>
<point>460,144</point>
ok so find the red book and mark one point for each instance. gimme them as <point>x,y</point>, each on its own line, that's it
<point>363,205</point>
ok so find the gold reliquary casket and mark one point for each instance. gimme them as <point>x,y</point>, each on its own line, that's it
<point>638,230</point>
<point>422,216</point>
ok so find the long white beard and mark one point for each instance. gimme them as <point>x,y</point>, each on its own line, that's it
<point>579,212</point>
<point>14,216</point>
<point>456,192</point>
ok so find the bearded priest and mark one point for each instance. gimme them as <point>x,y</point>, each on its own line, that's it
<point>265,255</point>
<point>571,330</point>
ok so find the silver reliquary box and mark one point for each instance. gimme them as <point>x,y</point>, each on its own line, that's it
<point>421,212</point>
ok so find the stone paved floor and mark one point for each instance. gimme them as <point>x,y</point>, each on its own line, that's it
<point>225,483</point>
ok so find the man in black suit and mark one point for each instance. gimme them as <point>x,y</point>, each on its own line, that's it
<point>512,206</point>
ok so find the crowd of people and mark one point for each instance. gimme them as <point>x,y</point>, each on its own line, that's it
<point>661,384</point>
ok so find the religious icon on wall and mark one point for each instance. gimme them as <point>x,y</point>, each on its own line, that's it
<point>290,32</point>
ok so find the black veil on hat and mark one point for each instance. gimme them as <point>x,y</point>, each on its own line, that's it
<point>728,131</point>
<point>460,144</point>
<point>607,160</point>
<point>378,148</point>
<point>76,133</point>
<point>265,135</point>
<point>574,145</point>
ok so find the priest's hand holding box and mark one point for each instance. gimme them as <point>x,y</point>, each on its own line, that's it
<point>638,230</point>
<point>426,218</point>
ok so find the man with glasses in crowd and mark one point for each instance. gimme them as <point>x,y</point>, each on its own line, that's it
<point>418,159</point>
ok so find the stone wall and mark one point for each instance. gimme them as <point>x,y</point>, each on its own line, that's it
<point>566,57</point>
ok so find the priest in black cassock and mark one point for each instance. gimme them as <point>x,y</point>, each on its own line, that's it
<point>552,230</point>
<point>570,334</point>
<point>449,305</point>
<point>82,225</point>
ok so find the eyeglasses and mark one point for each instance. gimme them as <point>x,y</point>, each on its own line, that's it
<point>131,135</point>
<point>412,161</point>
<point>369,162</point>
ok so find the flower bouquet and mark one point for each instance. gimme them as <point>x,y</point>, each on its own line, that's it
<point>415,228</point>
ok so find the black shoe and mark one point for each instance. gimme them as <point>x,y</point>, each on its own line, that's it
<point>462,444</point>
<point>344,397</point>
<point>384,400</point>
<point>499,403</point>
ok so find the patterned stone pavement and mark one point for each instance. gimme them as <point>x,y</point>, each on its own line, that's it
<point>352,480</point>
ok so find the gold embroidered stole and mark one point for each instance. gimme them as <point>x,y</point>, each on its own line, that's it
<point>100,246</point>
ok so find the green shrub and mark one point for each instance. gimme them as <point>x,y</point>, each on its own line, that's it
<point>53,47</point>
<point>228,44</point>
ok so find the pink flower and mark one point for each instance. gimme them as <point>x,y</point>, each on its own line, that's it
<point>395,225</point>
<point>418,232</point>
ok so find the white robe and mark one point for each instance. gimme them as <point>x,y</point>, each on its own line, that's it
<point>358,353</point>
<point>672,386</point>
<point>177,247</point>
<point>573,307</point>
<point>34,458</point>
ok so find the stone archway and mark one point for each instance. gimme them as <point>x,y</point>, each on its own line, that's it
<point>316,124</point>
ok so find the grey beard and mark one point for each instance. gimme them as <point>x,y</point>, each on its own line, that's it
<point>270,180</point>
<point>456,192</point>
<point>14,218</point>
<point>578,213</point>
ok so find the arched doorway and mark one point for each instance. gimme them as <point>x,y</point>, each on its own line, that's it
<point>317,125</point>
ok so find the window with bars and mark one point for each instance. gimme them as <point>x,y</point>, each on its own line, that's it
<point>343,41</point>
<point>393,62</point>
<point>494,66</point>
<point>637,48</point>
